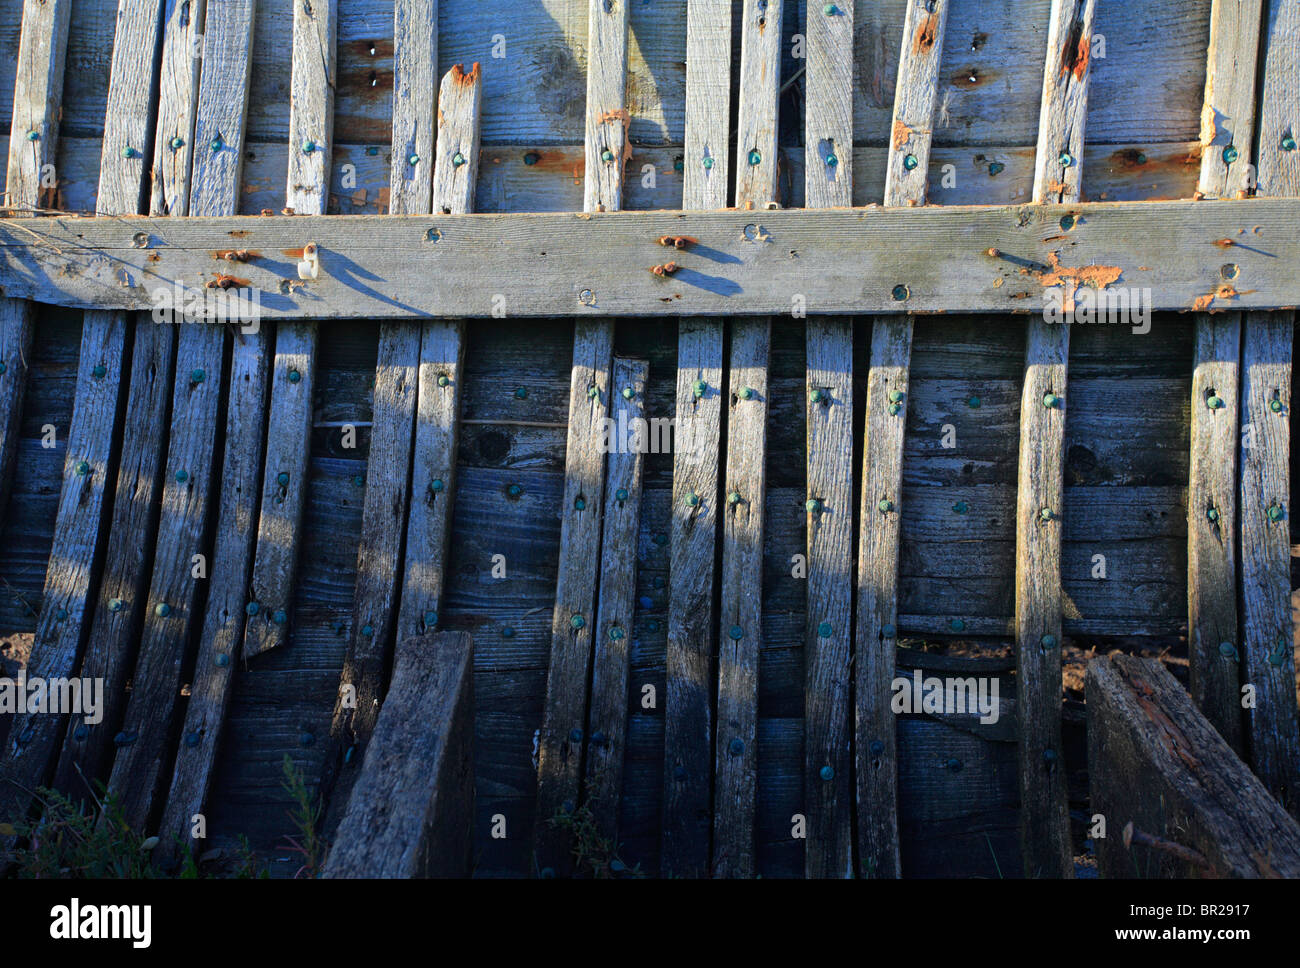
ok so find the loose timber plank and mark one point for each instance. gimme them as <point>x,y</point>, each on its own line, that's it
<point>293,371</point>
<point>141,766</point>
<point>1170,776</point>
<point>887,405</point>
<point>607,727</point>
<point>1267,626</point>
<point>828,796</point>
<point>38,88</point>
<point>562,740</point>
<point>442,355</point>
<point>1228,120</point>
<point>1045,831</point>
<point>740,605</point>
<point>116,621</point>
<point>412,809</point>
<point>174,141</point>
<point>847,261</point>
<point>688,706</point>
<point>379,559</point>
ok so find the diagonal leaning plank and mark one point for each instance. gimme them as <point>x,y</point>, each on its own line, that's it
<point>442,354</point>
<point>33,144</point>
<point>688,710</point>
<point>1268,630</point>
<point>118,611</point>
<point>293,371</point>
<point>562,741</point>
<point>607,722</point>
<point>882,464</point>
<point>33,739</point>
<point>1227,120</point>
<point>740,613</point>
<point>388,478</point>
<point>1044,817</point>
<point>827,776</point>
<point>181,567</point>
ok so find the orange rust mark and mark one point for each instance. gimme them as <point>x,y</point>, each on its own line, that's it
<point>1070,279</point>
<point>223,281</point>
<point>153,258</point>
<point>1225,243</point>
<point>667,269</point>
<point>382,201</point>
<point>901,133</point>
<point>1055,238</point>
<point>677,241</point>
<point>1057,187</point>
<point>1224,291</point>
<point>237,255</point>
<point>264,212</point>
<point>1075,53</point>
<point>924,39</point>
<point>238,233</point>
<point>458,75</point>
<point>293,253</point>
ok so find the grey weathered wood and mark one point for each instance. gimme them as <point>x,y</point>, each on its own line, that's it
<point>607,726</point>
<point>442,354</point>
<point>828,113</point>
<point>877,619</point>
<point>16,318</point>
<point>415,91</point>
<point>708,105</point>
<point>1170,777</point>
<point>846,261</point>
<point>412,809</point>
<point>174,140</point>
<point>1227,119</point>
<point>293,377</point>
<point>190,489</point>
<point>560,740</point>
<point>607,145</point>
<point>688,719</point>
<point>756,124</point>
<point>1045,831</point>
<point>740,609</point>
<point>908,165</point>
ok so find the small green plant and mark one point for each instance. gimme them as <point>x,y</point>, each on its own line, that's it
<point>594,854</point>
<point>305,814</point>
<point>71,840</point>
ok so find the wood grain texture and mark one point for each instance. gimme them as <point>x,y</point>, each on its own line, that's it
<point>561,738</point>
<point>847,262</point>
<point>219,125</point>
<point>415,91</point>
<point>1065,101</point>
<point>16,319</point>
<point>708,105</point>
<point>1171,776</point>
<point>908,165</point>
<point>1279,103</point>
<point>740,609</point>
<point>174,143</point>
<point>1228,117</point>
<point>877,619</point>
<point>129,120</point>
<point>760,84</point>
<point>688,719</point>
<point>606,140</point>
<point>311,105</point>
<point>412,810</point>
<point>607,721</point>
<point>828,112</point>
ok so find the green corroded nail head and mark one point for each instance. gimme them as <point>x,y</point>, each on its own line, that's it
<point>577,621</point>
<point>620,494</point>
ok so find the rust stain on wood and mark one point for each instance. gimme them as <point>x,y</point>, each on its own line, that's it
<point>223,281</point>
<point>924,39</point>
<point>901,133</point>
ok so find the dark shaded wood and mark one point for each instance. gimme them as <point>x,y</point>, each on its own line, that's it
<point>1164,779</point>
<point>412,809</point>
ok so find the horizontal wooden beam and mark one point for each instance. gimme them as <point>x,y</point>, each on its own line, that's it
<point>1208,255</point>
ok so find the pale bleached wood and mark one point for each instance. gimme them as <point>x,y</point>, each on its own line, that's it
<point>191,493</point>
<point>1064,107</point>
<point>828,111</point>
<point>908,165</point>
<point>415,90</point>
<point>740,613</point>
<point>1228,116</point>
<point>607,722</point>
<point>174,144</point>
<point>760,83</point>
<point>412,809</point>
<point>606,140</point>
<point>845,262</point>
<point>442,354</point>
<point>561,738</point>
<point>1279,100</point>
<point>311,105</point>
<point>688,719</point>
<point>708,105</point>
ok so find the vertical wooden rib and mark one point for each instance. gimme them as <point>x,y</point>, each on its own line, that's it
<point>293,372</point>
<point>882,463</point>
<point>688,708</point>
<point>388,480</point>
<point>139,774</point>
<point>561,741</point>
<point>1044,816</point>
<point>118,608</point>
<point>1227,121</point>
<point>740,614</point>
<point>38,89</point>
<point>442,352</point>
<point>607,725</point>
<point>1267,627</point>
<point>828,783</point>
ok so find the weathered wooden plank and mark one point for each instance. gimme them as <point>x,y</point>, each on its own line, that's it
<point>606,140</point>
<point>412,809</point>
<point>293,377</point>
<point>560,740</point>
<point>756,123</point>
<point>740,610</point>
<point>415,92</point>
<point>688,705</point>
<point>828,113</point>
<point>1227,119</point>
<point>16,318</point>
<point>140,769</point>
<point>985,259</point>
<point>442,354</point>
<point>174,141</point>
<point>1045,831</point>
<point>1176,800</point>
<point>688,717</point>
<point>607,727</point>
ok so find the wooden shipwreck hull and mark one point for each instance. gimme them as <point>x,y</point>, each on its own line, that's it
<point>260,465</point>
